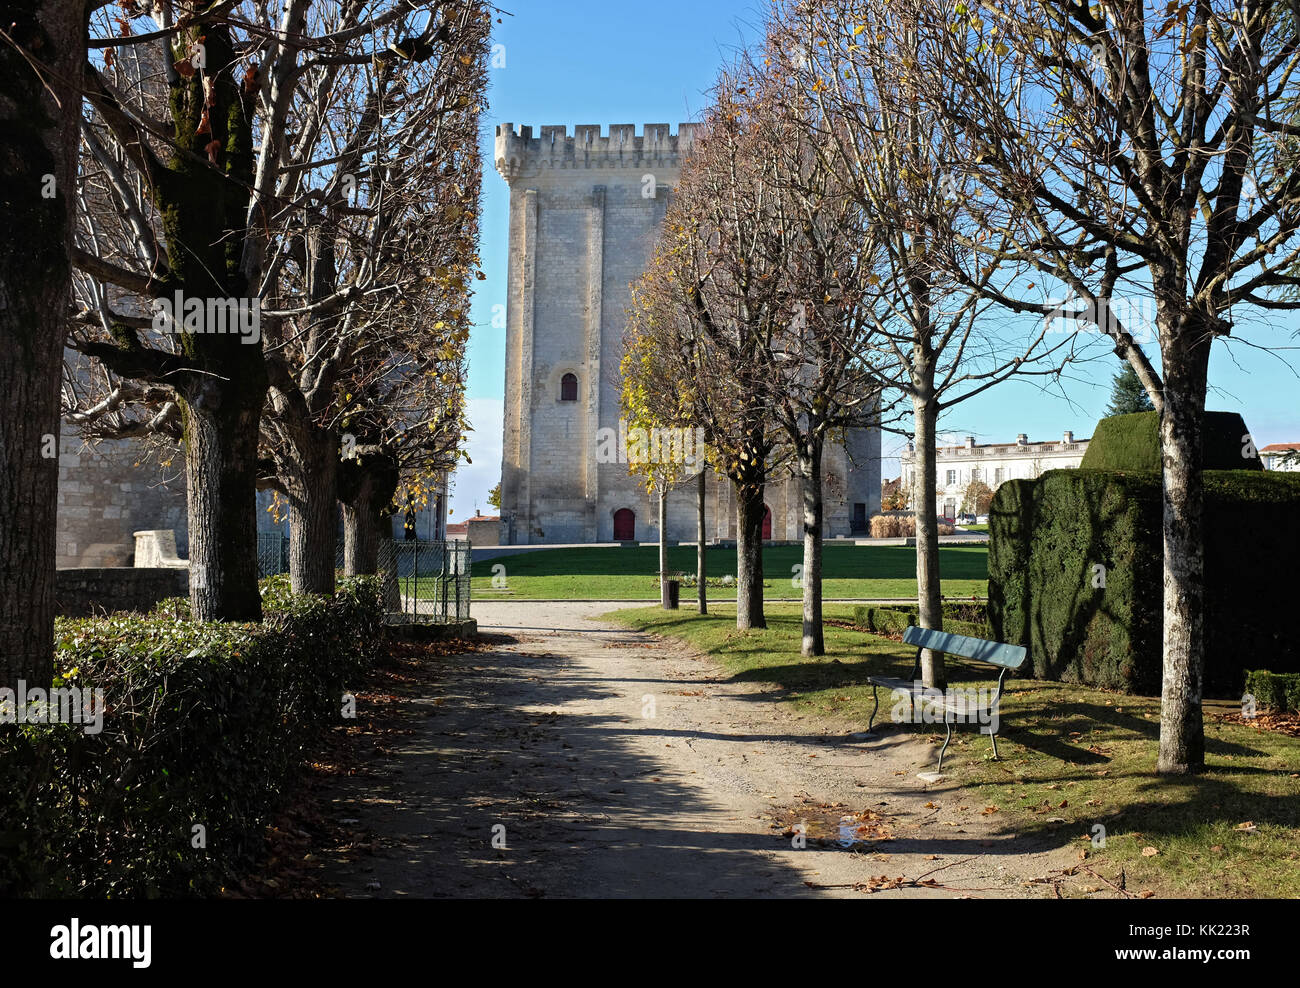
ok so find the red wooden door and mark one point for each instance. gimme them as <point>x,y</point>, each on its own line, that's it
<point>624,525</point>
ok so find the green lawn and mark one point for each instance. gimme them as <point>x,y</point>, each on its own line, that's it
<point>1068,753</point>
<point>611,573</point>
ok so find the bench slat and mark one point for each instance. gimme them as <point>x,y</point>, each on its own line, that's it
<point>994,653</point>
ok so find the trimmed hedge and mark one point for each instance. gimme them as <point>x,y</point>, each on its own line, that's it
<point>203,724</point>
<point>1046,537</point>
<point>958,618</point>
<point>1132,443</point>
<point>1279,692</point>
<point>1010,514</point>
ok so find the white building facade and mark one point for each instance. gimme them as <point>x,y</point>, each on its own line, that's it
<point>1281,456</point>
<point>994,463</point>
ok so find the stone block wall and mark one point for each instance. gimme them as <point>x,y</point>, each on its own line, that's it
<point>86,592</point>
<point>109,491</point>
<point>585,214</point>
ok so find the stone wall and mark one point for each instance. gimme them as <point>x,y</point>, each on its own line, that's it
<point>84,592</point>
<point>109,491</point>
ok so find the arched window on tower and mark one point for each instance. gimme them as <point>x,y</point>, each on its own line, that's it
<point>569,387</point>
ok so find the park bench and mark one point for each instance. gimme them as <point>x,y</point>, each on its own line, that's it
<point>1007,658</point>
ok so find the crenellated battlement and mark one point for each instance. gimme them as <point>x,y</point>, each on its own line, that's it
<point>519,152</point>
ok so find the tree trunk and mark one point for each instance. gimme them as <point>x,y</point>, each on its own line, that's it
<point>39,117</point>
<point>928,599</point>
<point>360,542</point>
<point>223,394</point>
<point>749,556</point>
<point>701,569</point>
<point>366,489</point>
<point>663,546</point>
<point>221,434</point>
<point>1182,737</point>
<point>313,516</point>
<point>810,466</point>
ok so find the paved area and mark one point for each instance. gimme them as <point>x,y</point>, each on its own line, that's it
<point>574,758</point>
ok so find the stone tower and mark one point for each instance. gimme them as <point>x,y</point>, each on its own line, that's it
<point>585,212</point>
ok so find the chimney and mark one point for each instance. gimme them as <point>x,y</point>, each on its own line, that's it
<point>1069,437</point>
<point>970,442</point>
<point>1022,439</point>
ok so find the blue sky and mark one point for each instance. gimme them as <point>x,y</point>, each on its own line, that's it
<point>596,61</point>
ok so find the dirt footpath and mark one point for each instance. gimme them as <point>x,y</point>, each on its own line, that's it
<point>574,758</point>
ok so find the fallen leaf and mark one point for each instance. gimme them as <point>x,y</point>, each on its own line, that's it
<point>1149,852</point>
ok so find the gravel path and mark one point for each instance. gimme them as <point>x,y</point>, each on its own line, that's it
<point>612,764</point>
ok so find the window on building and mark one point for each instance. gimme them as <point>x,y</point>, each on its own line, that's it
<point>569,387</point>
<point>974,473</point>
<point>997,475</point>
<point>952,477</point>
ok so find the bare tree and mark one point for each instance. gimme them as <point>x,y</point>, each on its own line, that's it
<point>824,261</point>
<point>397,208</point>
<point>921,215</point>
<point>713,294</point>
<point>1139,149</point>
<point>226,198</point>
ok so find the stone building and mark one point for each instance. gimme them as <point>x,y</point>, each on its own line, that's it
<point>993,463</point>
<point>585,211</point>
<point>108,491</point>
<point>1281,456</point>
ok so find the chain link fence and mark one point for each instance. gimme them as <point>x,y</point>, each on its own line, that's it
<point>425,582</point>
<point>273,554</point>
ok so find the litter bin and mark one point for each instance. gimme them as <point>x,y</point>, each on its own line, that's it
<point>674,594</point>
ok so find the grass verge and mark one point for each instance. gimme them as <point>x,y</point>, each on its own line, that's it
<point>1073,758</point>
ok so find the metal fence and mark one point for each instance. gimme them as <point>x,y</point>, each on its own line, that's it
<point>425,582</point>
<point>273,554</point>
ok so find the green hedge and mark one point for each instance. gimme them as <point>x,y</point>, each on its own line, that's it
<point>1047,535</point>
<point>1279,692</point>
<point>958,618</point>
<point>1132,443</point>
<point>1011,514</point>
<point>203,725</point>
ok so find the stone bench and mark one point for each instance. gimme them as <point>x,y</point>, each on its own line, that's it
<point>156,549</point>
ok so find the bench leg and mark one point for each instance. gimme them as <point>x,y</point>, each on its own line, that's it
<point>876,698</point>
<point>994,737</point>
<point>947,726</point>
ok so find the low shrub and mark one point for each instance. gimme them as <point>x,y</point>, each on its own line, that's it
<point>901,527</point>
<point>1279,692</point>
<point>891,526</point>
<point>203,724</point>
<point>959,617</point>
